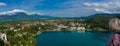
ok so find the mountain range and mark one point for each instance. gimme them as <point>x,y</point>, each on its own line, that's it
<point>25,16</point>
<point>21,16</point>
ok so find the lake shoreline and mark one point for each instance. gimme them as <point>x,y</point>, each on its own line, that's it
<point>70,31</point>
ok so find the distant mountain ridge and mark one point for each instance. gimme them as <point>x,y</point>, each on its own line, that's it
<point>105,14</point>
<point>25,16</point>
<point>102,14</point>
<point>22,16</point>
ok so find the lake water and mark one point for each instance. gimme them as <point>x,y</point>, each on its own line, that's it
<point>73,39</point>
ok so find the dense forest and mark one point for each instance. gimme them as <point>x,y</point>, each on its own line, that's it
<point>100,21</point>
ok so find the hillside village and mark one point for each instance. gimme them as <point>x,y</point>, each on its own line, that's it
<point>22,33</point>
<point>25,31</point>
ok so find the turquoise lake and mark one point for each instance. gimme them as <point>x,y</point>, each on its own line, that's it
<point>73,39</point>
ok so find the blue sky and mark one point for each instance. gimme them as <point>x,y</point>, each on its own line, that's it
<point>62,8</point>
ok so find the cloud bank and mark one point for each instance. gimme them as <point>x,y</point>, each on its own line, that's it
<point>62,8</point>
<point>86,8</point>
<point>105,7</point>
<point>17,11</point>
<point>2,4</point>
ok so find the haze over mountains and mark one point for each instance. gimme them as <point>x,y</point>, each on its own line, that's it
<point>21,15</point>
<point>25,15</point>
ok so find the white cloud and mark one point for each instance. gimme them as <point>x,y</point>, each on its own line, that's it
<point>86,4</point>
<point>18,10</point>
<point>102,10</point>
<point>99,5</point>
<point>2,4</point>
<point>88,8</point>
<point>104,7</point>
